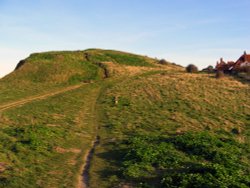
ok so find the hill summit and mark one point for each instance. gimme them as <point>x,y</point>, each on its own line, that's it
<point>74,66</point>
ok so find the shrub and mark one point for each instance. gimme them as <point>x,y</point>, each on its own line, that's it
<point>191,68</point>
<point>163,62</point>
<point>219,74</point>
<point>209,69</point>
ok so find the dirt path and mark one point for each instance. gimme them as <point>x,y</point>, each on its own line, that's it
<point>84,178</point>
<point>38,97</point>
<point>89,117</point>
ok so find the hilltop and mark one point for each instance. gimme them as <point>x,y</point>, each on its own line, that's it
<point>104,118</point>
<point>44,71</point>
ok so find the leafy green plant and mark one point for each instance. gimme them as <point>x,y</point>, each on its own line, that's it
<point>188,160</point>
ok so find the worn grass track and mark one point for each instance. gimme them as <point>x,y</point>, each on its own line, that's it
<point>37,97</point>
<point>57,133</point>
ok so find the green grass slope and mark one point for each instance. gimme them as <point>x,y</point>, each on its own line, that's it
<point>43,142</point>
<point>42,72</point>
<point>158,126</point>
<point>174,130</point>
<point>46,71</point>
<point>119,57</point>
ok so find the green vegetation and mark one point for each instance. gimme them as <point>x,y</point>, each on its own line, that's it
<point>119,57</point>
<point>174,130</point>
<point>45,72</point>
<point>158,126</point>
<point>43,143</point>
<point>188,160</point>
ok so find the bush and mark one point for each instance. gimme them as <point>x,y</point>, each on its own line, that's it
<point>209,69</point>
<point>219,74</point>
<point>191,68</point>
<point>163,62</point>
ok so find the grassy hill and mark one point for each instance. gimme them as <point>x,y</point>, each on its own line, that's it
<point>42,72</point>
<point>157,125</point>
<point>174,130</point>
<point>46,71</point>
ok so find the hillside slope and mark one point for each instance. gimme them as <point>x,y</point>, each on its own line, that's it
<point>48,117</point>
<point>42,72</point>
<point>174,130</point>
<point>46,71</point>
<point>156,125</point>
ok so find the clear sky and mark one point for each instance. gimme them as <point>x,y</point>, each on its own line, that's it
<point>182,31</point>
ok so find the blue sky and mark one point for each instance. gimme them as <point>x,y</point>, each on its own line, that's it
<point>182,31</point>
